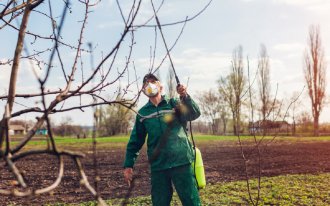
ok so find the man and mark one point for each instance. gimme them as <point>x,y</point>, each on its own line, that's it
<point>169,151</point>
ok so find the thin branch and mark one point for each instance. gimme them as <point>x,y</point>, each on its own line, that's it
<point>178,22</point>
<point>16,172</point>
<point>7,11</point>
<point>57,182</point>
<point>15,67</point>
<point>84,181</point>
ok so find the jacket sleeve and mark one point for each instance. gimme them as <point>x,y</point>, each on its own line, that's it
<point>189,110</point>
<point>135,143</point>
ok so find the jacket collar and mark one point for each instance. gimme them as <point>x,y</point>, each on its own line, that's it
<point>165,98</point>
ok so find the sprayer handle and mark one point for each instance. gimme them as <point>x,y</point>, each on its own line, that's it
<point>182,90</point>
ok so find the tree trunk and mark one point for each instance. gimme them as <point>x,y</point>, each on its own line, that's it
<point>14,70</point>
<point>224,127</point>
<point>316,125</point>
<point>235,128</point>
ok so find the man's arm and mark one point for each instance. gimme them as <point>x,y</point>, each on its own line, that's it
<point>189,110</point>
<point>134,145</point>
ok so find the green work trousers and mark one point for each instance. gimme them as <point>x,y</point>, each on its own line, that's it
<point>184,182</point>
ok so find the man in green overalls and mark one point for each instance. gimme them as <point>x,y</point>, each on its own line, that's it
<point>169,151</point>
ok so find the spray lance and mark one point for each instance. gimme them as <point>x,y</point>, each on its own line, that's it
<point>167,50</point>
<point>197,165</point>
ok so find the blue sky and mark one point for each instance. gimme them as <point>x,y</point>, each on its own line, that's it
<point>203,53</point>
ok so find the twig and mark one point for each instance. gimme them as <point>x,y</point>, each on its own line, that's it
<point>84,181</point>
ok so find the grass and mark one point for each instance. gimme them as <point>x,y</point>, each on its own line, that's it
<point>197,137</point>
<point>104,143</point>
<point>303,190</point>
<point>281,190</point>
<point>201,137</point>
<point>74,142</point>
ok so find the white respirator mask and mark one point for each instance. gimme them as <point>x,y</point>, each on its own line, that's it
<point>151,90</point>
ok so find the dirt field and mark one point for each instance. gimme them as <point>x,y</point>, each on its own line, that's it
<point>223,162</point>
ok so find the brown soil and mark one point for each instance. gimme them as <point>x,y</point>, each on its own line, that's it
<point>222,160</point>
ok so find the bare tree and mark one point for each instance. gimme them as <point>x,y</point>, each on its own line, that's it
<point>73,87</point>
<point>257,147</point>
<point>304,123</point>
<point>293,111</point>
<point>171,83</point>
<point>223,113</point>
<point>210,106</point>
<point>232,87</point>
<point>80,85</point>
<point>264,82</point>
<point>115,120</point>
<point>315,74</point>
<point>66,128</point>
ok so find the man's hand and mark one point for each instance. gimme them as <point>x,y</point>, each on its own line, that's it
<point>128,175</point>
<point>182,90</point>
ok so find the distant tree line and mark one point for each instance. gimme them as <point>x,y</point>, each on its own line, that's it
<point>112,120</point>
<point>243,101</point>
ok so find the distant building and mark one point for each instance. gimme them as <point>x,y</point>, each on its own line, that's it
<point>16,129</point>
<point>21,128</point>
<point>42,131</point>
<point>269,127</point>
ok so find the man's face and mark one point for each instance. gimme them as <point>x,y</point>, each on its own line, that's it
<point>151,87</point>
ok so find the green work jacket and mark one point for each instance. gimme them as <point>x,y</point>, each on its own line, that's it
<point>163,123</point>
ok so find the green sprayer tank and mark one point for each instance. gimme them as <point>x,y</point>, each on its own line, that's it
<point>199,169</point>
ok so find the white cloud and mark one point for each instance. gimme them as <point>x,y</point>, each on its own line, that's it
<point>145,11</point>
<point>109,25</point>
<point>202,68</point>
<point>301,2</point>
<point>26,79</point>
<point>290,47</point>
<point>4,78</point>
<point>30,69</point>
<point>288,79</point>
<point>290,50</point>
<point>192,52</point>
<point>314,5</point>
<point>110,3</point>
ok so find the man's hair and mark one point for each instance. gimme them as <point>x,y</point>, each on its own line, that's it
<point>149,76</point>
